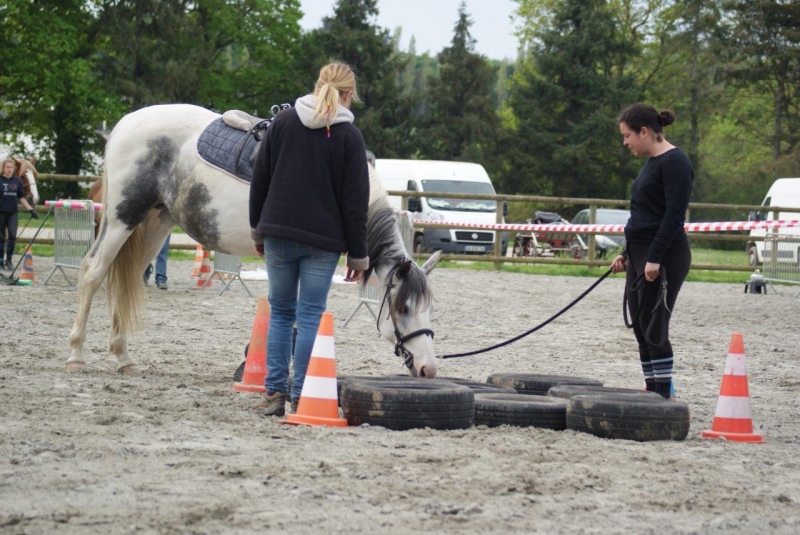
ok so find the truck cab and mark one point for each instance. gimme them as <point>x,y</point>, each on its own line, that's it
<point>784,192</point>
<point>444,177</point>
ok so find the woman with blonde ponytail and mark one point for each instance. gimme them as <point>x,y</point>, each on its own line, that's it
<point>308,204</point>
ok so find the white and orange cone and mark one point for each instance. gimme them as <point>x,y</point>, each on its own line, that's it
<point>203,280</point>
<point>733,418</point>
<point>27,266</point>
<point>319,401</point>
<point>198,261</point>
<point>255,366</point>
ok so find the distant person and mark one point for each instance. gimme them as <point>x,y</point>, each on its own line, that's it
<point>12,192</point>
<point>655,238</point>
<point>161,267</point>
<point>308,204</point>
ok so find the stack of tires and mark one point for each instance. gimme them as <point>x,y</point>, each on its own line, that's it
<point>526,400</point>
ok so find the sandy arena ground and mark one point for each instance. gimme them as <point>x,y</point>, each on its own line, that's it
<point>176,450</point>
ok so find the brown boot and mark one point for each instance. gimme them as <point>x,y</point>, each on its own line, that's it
<point>273,405</point>
<point>293,408</point>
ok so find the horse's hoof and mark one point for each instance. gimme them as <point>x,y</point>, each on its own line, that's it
<point>130,369</point>
<point>76,366</point>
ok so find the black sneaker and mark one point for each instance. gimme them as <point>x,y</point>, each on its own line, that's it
<point>9,265</point>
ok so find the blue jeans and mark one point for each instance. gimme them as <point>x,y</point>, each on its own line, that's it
<point>161,262</point>
<point>299,281</point>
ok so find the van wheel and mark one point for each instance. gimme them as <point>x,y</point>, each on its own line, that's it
<point>752,255</point>
<point>419,244</point>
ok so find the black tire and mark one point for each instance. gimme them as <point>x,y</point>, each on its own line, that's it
<point>567,391</point>
<point>629,417</point>
<point>239,373</point>
<point>407,403</point>
<point>535,384</point>
<point>478,387</point>
<point>341,379</point>
<point>520,410</point>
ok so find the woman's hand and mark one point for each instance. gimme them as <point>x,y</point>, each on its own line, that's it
<point>652,271</point>
<point>353,275</point>
<point>259,249</point>
<point>619,264</point>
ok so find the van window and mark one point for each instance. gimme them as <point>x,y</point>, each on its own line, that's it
<point>764,215</point>
<point>458,186</point>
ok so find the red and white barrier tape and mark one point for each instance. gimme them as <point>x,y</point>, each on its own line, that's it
<point>719,226</point>
<point>73,205</point>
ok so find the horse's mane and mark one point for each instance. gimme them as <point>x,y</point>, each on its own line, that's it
<point>385,246</point>
<point>21,167</point>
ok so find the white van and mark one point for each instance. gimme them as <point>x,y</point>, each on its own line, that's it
<point>444,177</point>
<point>784,192</point>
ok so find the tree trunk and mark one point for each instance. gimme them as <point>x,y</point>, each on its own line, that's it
<point>776,144</point>
<point>68,148</point>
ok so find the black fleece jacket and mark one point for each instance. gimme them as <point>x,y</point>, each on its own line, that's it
<point>659,198</point>
<point>312,187</point>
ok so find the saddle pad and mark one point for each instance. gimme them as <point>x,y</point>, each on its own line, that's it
<point>219,145</point>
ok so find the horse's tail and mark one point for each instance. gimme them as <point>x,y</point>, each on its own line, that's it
<point>125,288</point>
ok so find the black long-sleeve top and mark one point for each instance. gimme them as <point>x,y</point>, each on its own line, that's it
<point>659,198</point>
<point>312,187</point>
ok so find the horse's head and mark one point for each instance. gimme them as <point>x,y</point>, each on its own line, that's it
<point>26,171</point>
<point>405,314</point>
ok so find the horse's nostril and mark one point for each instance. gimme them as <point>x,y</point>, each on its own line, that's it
<point>422,372</point>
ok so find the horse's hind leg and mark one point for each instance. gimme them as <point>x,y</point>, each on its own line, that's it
<point>95,266</point>
<point>155,230</point>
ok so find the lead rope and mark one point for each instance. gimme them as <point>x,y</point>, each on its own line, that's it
<point>546,322</point>
<point>661,302</point>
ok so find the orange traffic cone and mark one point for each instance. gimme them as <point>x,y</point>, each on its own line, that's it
<point>319,401</point>
<point>198,261</point>
<point>203,280</point>
<point>733,419</point>
<point>255,366</point>
<point>27,266</point>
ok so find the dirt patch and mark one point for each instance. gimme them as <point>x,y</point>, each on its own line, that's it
<point>177,450</point>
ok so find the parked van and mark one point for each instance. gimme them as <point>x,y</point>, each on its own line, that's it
<point>784,192</point>
<point>444,177</point>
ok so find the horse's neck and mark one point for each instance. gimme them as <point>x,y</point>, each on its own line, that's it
<point>378,199</point>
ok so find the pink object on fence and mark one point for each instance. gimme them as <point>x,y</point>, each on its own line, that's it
<point>719,226</point>
<point>73,205</point>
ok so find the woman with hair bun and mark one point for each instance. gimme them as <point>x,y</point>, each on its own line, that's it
<point>655,239</point>
<point>308,204</point>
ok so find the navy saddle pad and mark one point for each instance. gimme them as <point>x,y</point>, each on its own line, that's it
<point>220,145</point>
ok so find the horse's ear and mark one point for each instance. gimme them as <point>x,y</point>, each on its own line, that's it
<point>428,266</point>
<point>403,270</point>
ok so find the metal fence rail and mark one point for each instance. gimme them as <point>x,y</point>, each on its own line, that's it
<point>228,265</point>
<point>369,292</point>
<point>782,259</point>
<point>73,235</point>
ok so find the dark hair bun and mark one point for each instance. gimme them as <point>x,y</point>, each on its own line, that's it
<point>666,118</point>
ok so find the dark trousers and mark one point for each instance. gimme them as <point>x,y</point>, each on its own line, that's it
<point>676,262</point>
<point>8,223</point>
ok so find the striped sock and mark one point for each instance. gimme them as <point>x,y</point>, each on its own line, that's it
<point>662,370</point>
<point>649,378</point>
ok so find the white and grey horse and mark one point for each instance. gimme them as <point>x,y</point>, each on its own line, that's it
<point>153,178</point>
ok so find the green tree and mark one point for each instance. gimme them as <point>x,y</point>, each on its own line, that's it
<point>49,85</point>
<point>565,98</point>
<point>352,36</point>
<point>768,41</point>
<point>219,54</point>
<point>462,122</point>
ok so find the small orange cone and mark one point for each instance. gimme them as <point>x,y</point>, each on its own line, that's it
<point>203,280</point>
<point>319,401</point>
<point>733,418</point>
<point>255,366</point>
<point>27,266</point>
<point>198,261</point>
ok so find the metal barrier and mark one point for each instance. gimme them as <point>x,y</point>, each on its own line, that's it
<point>369,292</point>
<point>782,259</point>
<point>229,265</point>
<point>73,235</point>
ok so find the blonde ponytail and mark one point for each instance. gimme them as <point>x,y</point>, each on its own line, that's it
<point>334,80</point>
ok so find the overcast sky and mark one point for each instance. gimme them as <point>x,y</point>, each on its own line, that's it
<point>431,22</point>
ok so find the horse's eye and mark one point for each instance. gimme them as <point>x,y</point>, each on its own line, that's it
<point>403,310</point>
